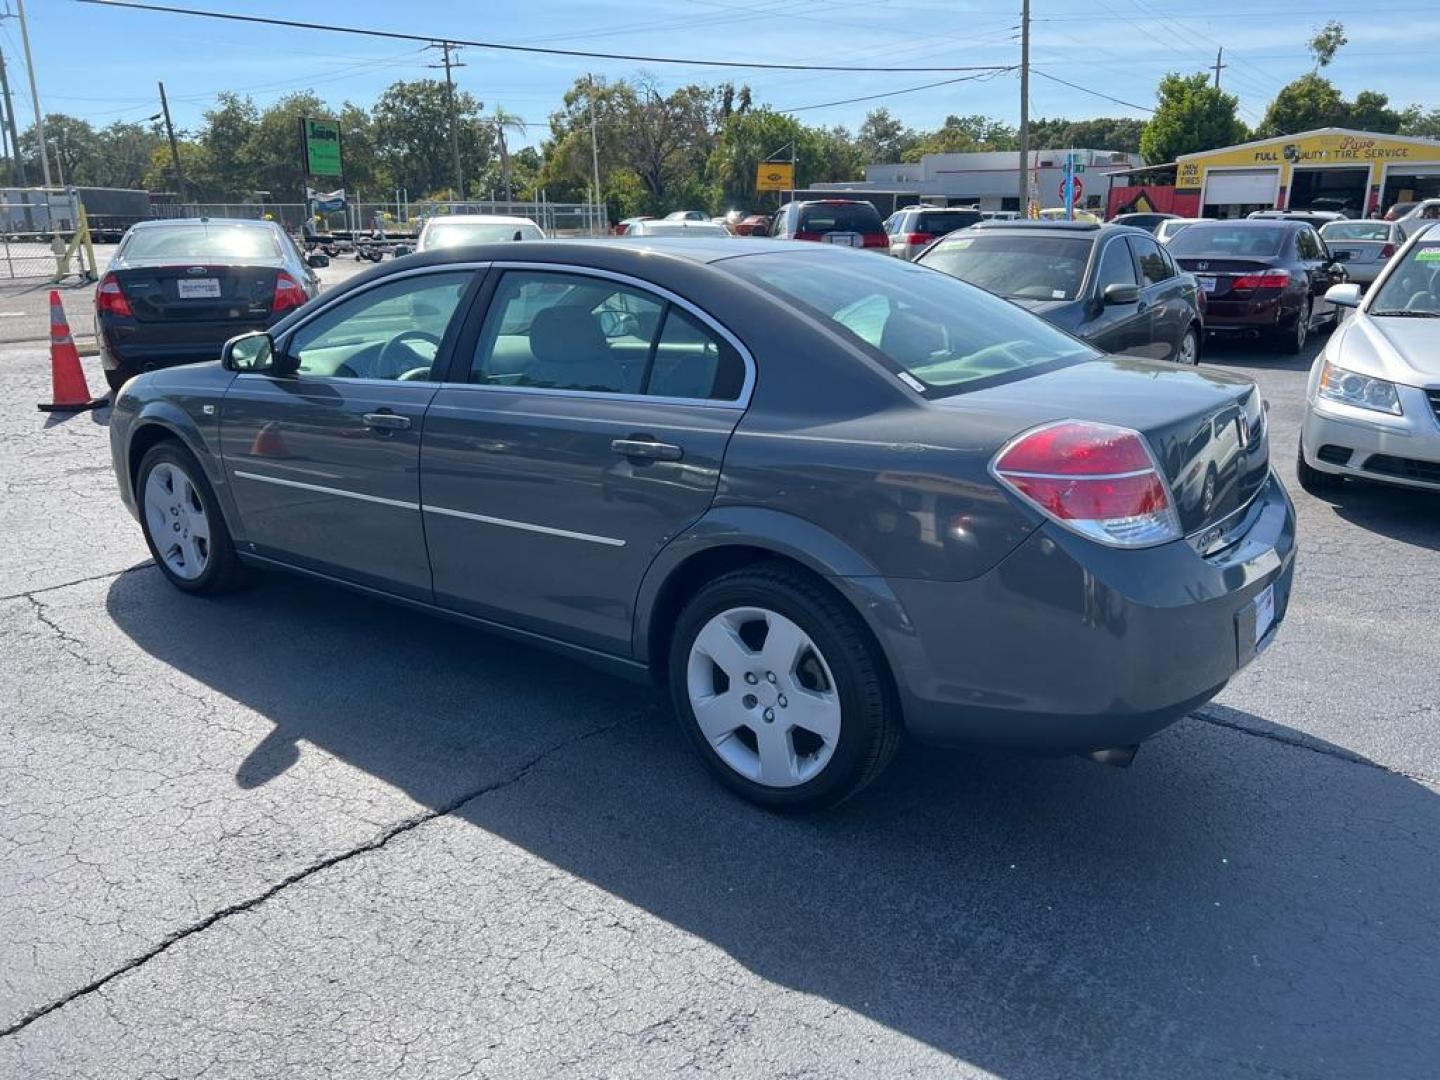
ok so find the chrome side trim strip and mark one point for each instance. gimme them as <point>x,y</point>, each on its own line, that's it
<point>485,519</point>
<point>323,490</point>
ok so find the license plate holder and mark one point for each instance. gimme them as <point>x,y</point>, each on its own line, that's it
<point>1254,624</point>
<point>1207,283</point>
<point>845,239</point>
<point>198,288</point>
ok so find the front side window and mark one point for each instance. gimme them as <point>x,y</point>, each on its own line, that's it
<point>1116,266</point>
<point>1153,269</point>
<point>392,331</point>
<point>935,330</point>
<point>559,331</point>
<point>1023,266</point>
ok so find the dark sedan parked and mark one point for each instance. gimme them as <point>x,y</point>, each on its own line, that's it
<point>827,498</point>
<point>1262,277</point>
<point>177,290</point>
<point>1114,286</point>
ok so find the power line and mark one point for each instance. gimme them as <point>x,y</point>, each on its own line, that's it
<point>1093,93</point>
<point>396,35</point>
<point>897,93</point>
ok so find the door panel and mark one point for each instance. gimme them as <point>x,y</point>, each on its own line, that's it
<point>1162,296</point>
<point>325,463</point>
<point>1117,328</point>
<point>533,516</point>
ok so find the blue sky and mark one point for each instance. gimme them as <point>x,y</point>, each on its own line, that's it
<point>103,64</point>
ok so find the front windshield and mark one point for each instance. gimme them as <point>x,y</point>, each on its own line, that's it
<point>477,232</point>
<point>1025,267</point>
<point>945,335</point>
<point>1356,230</point>
<point>1412,287</point>
<point>1219,239</point>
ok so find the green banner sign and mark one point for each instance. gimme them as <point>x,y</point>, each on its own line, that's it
<point>321,141</point>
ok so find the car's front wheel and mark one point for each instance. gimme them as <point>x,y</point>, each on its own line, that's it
<point>782,690</point>
<point>1313,480</point>
<point>181,519</point>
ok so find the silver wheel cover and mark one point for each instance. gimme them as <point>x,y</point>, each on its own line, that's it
<point>175,519</point>
<point>763,697</point>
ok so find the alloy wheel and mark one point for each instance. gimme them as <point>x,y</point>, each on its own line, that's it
<point>763,696</point>
<point>1189,349</point>
<point>176,519</point>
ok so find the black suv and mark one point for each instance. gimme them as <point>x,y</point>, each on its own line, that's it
<point>915,228</point>
<point>1112,285</point>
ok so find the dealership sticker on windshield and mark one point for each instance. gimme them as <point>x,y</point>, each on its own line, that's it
<point>1428,254</point>
<point>961,243</point>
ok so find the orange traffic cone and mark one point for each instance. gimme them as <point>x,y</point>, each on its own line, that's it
<point>71,393</point>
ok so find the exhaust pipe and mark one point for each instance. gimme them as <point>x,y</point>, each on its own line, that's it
<point>1119,756</point>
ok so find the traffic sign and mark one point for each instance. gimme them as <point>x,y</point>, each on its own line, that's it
<point>1079,187</point>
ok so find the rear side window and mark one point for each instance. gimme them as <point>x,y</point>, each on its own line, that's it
<point>840,217</point>
<point>1153,267</point>
<point>940,222</point>
<point>202,242</point>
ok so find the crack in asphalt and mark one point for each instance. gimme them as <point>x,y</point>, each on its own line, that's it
<point>374,844</point>
<point>31,594</point>
<point>1315,747</point>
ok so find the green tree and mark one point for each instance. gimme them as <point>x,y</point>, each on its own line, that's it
<point>964,134</point>
<point>1192,116</point>
<point>1370,111</point>
<point>412,136</point>
<point>124,155</point>
<point>1418,122</point>
<point>226,139</point>
<point>1326,43</point>
<point>1102,133</point>
<point>1311,101</point>
<point>882,137</point>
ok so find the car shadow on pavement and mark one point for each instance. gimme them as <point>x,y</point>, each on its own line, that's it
<point>1234,903</point>
<point>1409,515</point>
<point>1226,352</point>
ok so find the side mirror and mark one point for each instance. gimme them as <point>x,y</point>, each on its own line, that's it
<point>253,353</point>
<point>1119,292</point>
<point>317,260</point>
<point>1343,295</point>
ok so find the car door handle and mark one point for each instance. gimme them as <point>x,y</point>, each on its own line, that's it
<point>648,449</point>
<point>386,421</point>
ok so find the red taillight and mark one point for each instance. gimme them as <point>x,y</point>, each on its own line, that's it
<point>915,239</point>
<point>1387,251</point>
<point>1267,279</point>
<point>1095,479</point>
<point>876,239</point>
<point>288,293</point>
<point>809,236</point>
<point>110,298</point>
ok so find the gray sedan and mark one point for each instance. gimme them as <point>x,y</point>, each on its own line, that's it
<point>826,499</point>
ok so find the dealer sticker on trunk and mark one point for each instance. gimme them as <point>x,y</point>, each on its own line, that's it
<point>198,288</point>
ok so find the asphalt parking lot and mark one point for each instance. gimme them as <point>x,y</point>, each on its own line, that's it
<point>294,832</point>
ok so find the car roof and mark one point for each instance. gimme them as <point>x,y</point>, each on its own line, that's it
<point>479,219</point>
<point>246,223</point>
<point>1056,228</point>
<point>640,250</point>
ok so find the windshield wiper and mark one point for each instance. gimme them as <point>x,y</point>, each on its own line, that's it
<point>1400,314</point>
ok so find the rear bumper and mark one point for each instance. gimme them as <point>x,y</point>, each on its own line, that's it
<point>1238,317</point>
<point>1403,450</point>
<point>132,346</point>
<point>1067,647</point>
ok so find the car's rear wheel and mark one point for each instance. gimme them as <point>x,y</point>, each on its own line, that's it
<point>1189,350</point>
<point>1293,340</point>
<point>117,378</point>
<point>1313,480</point>
<point>181,519</point>
<point>782,690</point>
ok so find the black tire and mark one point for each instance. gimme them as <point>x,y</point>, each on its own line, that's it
<point>870,721</point>
<point>1313,480</point>
<point>1193,337</point>
<point>117,378</point>
<point>1293,338</point>
<point>223,570</point>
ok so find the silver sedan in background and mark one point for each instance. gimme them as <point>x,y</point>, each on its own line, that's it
<point>1366,246</point>
<point>1373,399</point>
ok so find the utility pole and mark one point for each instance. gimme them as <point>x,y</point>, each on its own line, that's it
<point>174,148</point>
<point>1025,108</point>
<point>1220,52</point>
<point>445,49</point>
<point>34,94</point>
<point>17,163</point>
<point>594,146</point>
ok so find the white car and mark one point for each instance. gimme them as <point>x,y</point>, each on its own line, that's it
<point>676,227</point>
<point>456,230</point>
<point>1372,405</point>
<point>1170,228</point>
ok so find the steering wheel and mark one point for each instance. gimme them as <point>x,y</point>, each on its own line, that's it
<point>397,355</point>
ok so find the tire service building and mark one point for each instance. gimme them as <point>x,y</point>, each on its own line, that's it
<point>1358,173</point>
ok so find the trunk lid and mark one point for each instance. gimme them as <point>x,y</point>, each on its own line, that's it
<point>1206,429</point>
<point>1360,251</point>
<point>198,292</point>
<point>1217,277</point>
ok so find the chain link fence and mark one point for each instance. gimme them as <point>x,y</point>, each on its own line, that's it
<point>39,235</point>
<point>401,220</point>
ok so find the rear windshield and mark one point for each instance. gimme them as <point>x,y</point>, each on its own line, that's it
<point>1356,230</point>
<point>202,242</point>
<point>1014,265</point>
<point>945,335</point>
<point>677,228</point>
<point>487,232</point>
<point>840,217</point>
<point>1219,239</point>
<point>938,223</point>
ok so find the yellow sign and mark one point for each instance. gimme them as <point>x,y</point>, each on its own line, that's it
<point>1318,148</point>
<point>775,176</point>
